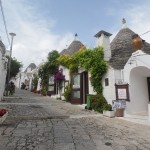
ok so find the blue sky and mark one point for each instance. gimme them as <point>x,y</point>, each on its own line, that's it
<point>44,25</point>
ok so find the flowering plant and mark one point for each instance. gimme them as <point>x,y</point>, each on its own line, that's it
<point>59,76</point>
<point>2,112</point>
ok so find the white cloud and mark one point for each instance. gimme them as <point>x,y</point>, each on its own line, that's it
<point>139,20</point>
<point>137,17</point>
<point>34,37</point>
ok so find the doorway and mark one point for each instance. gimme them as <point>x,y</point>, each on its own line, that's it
<point>148,84</point>
<point>85,89</point>
<point>79,88</point>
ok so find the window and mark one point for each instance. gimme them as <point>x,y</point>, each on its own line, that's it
<point>106,82</point>
<point>76,81</point>
<point>76,94</point>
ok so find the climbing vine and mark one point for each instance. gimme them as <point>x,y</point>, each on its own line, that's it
<point>49,67</point>
<point>89,59</point>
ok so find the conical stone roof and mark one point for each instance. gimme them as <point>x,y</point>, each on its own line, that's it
<point>122,48</point>
<point>32,66</point>
<point>73,47</point>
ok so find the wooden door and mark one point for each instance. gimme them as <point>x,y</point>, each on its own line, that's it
<point>148,84</point>
<point>84,87</point>
<point>51,86</point>
<point>76,89</point>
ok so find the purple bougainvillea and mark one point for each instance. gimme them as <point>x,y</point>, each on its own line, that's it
<point>59,76</point>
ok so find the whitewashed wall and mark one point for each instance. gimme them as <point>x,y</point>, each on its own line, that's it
<point>109,91</point>
<point>136,71</point>
<point>19,79</point>
<point>138,91</point>
<point>1,85</point>
<point>91,90</point>
<point>65,72</point>
<point>3,71</point>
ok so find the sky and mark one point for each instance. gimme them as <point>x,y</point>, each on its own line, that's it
<point>45,25</point>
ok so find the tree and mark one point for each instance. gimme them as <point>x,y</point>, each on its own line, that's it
<point>35,81</point>
<point>49,67</point>
<point>15,67</point>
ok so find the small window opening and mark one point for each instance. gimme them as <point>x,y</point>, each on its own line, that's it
<point>106,82</point>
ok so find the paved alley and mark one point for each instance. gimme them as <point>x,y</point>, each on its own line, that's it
<point>36,122</point>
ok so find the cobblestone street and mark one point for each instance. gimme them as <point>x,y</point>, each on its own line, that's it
<point>36,122</point>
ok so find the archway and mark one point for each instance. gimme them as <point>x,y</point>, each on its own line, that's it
<point>138,87</point>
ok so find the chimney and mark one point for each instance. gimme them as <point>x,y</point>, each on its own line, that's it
<point>103,40</point>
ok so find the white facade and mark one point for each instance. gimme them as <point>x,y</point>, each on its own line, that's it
<point>136,72</point>
<point>65,72</point>
<point>3,71</point>
<point>19,79</point>
<point>109,91</point>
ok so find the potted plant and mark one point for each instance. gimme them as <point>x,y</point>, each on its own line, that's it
<point>67,93</point>
<point>108,112</point>
<point>44,91</point>
<point>3,115</point>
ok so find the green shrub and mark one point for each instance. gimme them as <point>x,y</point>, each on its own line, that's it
<point>67,93</point>
<point>99,103</point>
<point>108,107</point>
<point>35,82</point>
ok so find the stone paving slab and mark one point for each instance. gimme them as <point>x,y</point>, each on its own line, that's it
<point>29,128</point>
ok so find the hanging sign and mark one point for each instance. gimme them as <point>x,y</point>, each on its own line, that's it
<point>122,92</point>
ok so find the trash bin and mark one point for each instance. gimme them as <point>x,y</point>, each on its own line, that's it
<point>119,112</point>
<point>88,102</point>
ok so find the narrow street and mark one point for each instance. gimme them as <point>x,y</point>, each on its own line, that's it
<point>36,122</point>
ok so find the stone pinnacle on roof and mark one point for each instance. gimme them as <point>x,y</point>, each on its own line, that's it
<point>75,37</point>
<point>124,23</point>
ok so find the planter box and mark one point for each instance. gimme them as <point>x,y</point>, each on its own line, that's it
<point>3,118</point>
<point>108,113</point>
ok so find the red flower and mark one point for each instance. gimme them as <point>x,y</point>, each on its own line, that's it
<point>2,112</point>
